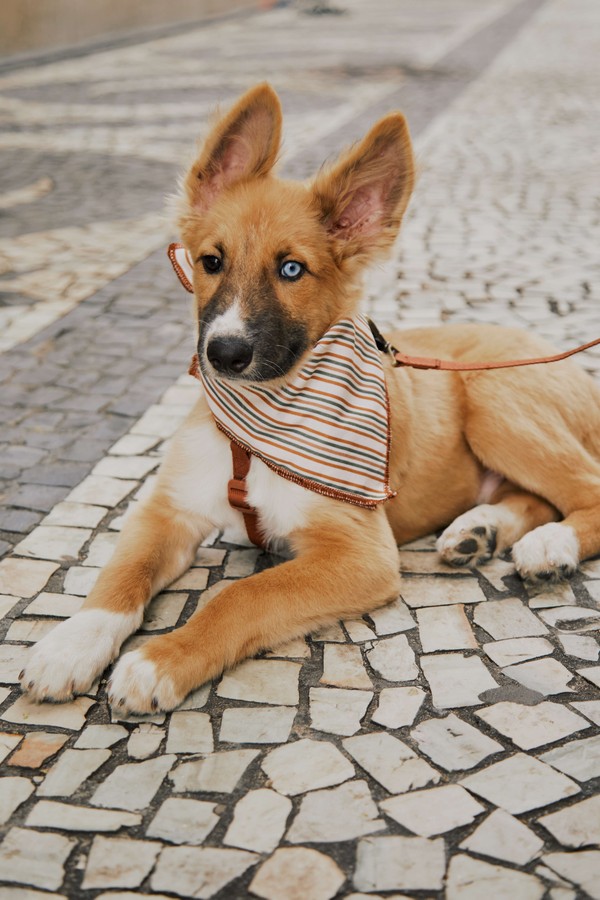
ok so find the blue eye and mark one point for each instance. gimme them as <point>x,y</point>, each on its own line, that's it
<point>291,270</point>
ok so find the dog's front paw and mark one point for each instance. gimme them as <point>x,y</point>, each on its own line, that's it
<point>68,660</point>
<point>140,685</point>
<point>548,553</point>
<point>470,540</point>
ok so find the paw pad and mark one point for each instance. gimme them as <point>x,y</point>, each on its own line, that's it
<point>472,547</point>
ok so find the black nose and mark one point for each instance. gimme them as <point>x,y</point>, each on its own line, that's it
<point>229,355</point>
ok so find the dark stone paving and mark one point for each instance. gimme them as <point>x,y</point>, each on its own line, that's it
<point>94,188</point>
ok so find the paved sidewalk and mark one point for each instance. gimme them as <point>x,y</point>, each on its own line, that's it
<point>445,746</point>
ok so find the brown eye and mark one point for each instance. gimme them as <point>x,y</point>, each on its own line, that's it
<point>211,264</point>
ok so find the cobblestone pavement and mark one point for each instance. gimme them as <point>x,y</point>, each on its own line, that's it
<point>448,745</point>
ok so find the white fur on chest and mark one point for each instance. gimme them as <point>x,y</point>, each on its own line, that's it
<point>198,468</point>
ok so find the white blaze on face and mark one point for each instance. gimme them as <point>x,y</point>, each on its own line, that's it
<point>228,324</point>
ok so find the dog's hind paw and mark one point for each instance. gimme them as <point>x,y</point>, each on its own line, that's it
<point>548,553</point>
<point>469,541</point>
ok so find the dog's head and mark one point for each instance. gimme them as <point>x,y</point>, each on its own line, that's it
<point>276,263</point>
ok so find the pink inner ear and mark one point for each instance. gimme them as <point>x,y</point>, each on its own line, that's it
<point>363,213</point>
<point>233,164</point>
<point>235,161</point>
<point>247,147</point>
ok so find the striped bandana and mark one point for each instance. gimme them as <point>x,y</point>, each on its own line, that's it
<point>327,428</point>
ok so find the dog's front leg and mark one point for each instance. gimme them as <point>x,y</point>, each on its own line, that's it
<point>157,544</point>
<point>339,572</point>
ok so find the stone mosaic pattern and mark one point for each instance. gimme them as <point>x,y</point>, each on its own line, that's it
<point>447,745</point>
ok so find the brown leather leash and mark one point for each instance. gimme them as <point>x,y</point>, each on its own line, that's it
<point>451,365</point>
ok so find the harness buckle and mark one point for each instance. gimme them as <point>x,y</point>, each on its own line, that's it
<point>237,494</point>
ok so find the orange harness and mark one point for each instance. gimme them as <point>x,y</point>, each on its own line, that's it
<point>237,493</point>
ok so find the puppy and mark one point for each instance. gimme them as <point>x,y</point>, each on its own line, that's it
<point>276,268</point>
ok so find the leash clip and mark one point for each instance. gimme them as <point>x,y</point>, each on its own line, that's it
<point>394,354</point>
<point>384,345</point>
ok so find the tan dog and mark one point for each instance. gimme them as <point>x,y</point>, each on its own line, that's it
<point>276,264</point>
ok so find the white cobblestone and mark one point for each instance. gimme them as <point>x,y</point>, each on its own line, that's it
<point>262,681</point>
<point>454,744</point>
<point>190,732</point>
<point>199,871</point>
<point>70,771</point>
<point>99,736</point>
<point>259,821</point>
<point>456,680</point>
<point>337,710</point>
<point>532,726</point>
<point>503,837</point>
<point>132,785</point>
<point>398,707</point>
<point>51,814</point>
<point>183,821</point>
<point>466,877</point>
<point>520,783</point>
<point>338,814</point>
<point>13,792</point>
<point>268,725</point>
<point>510,618</point>
<point>394,659</point>
<point>294,873</point>
<point>391,762</point>
<point>433,811</point>
<point>217,772</point>
<point>343,667</point>
<point>115,862</point>
<point>400,863</point>
<point>34,857</point>
<point>306,765</point>
<point>546,676</point>
<point>577,825</point>
<point>427,590</point>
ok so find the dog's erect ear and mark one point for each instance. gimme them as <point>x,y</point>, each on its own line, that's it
<point>361,199</point>
<point>242,144</point>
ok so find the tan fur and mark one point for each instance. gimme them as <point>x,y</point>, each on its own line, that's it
<point>539,428</point>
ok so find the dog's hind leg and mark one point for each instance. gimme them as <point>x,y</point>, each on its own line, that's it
<point>544,442</point>
<point>492,528</point>
<point>347,564</point>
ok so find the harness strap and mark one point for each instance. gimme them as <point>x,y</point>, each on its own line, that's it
<point>237,493</point>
